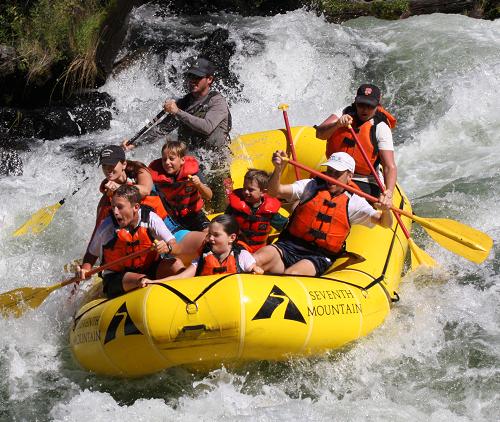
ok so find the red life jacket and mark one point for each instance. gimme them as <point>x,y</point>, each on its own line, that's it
<point>255,227</point>
<point>152,201</point>
<point>126,242</point>
<point>322,220</point>
<point>182,198</point>
<point>209,264</point>
<point>342,139</point>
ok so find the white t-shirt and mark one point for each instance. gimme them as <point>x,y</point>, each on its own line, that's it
<point>358,209</point>
<point>245,260</point>
<point>106,231</point>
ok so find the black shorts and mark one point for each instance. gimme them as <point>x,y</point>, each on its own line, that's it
<point>369,188</point>
<point>112,283</point>
<point>291,253</point>
<point>195,222</point>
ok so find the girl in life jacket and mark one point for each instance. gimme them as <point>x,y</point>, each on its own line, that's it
<point>372,125</point>
<point>222,253</point>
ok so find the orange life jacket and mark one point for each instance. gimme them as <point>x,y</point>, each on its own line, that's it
<point>153,201</point>
<point>254,226</point>
<point>322,220</point>
<point>342,139</point>
<point>209,264</point>
<point>126,242</point>
<point>182,197</point>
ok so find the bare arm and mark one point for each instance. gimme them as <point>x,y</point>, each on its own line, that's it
<point>88,262</point>
<point>325,129</point>
<point>383,218</point>
<point>144,182</point>
<point>189,272</point>
<point>275,188</point>
<point>390,173</point>
<point>205,191</point>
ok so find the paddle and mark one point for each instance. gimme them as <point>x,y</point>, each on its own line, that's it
<point>43,217</point>
<point>289,137</point>
<point>15,302</point>
<point>418,256</point>
<point>458,238</point>
<point>148,126</point>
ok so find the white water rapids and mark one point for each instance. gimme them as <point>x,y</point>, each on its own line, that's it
<point>437,356</point>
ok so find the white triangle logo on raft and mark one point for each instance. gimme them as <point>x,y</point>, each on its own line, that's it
<point>129,326</point>
<point>275,298</point>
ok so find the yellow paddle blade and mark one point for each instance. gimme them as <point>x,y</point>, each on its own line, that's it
<point>458,238</point>
<point>39,221</point>
<point>419,257</point>
<point>15,302</point>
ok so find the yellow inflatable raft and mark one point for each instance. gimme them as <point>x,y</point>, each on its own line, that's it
<point>204,322</point>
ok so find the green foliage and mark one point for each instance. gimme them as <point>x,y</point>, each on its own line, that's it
<point>12,20</point>
<point>384,9</point>
<point>389,9</point>
<point>491,9</point>
<point>54,33</point>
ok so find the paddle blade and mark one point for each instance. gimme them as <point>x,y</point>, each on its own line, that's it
<point>39,221</point>
<point>459,238</point>
<point>419,257</point>
<point>16,302</point>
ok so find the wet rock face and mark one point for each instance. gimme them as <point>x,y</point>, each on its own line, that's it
<point>81,115</point>
<point>8,61</point>
<point>10,163</point>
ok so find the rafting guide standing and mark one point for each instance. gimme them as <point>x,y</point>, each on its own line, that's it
<point>203,122</point>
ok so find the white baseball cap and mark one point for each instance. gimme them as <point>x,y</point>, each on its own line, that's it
<point>340,161</point>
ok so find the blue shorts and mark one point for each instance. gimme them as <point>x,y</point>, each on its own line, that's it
<point>176,229</point>
<point>291,253</point>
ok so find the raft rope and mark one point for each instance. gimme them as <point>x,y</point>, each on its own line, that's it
<point>376,281</point>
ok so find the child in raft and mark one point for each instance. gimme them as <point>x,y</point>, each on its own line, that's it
<point>255,211</point>
<point>178,179</point>
<point>222,253</point>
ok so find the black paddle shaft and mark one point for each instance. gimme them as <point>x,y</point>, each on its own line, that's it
<point>148,126</point>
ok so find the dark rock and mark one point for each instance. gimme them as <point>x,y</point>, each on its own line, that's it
<point>113,33</point>
<point>219,50</point>
<point>420,7</point>
<point>10,163</point>
<point>243,7</point>
<point>85,153</point>
<point>82,114</point>
<point>8,61</point>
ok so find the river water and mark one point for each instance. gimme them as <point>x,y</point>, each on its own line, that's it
<point>437,356</point>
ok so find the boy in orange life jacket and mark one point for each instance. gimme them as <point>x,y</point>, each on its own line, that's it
<point>320,223</point>
<point>222,253</point>
<point>130,228</point>
<point>178,180</point>
<point>372,124</point>
<point>255,211</point>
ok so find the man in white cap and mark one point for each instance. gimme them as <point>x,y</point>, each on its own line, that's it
<point>317,229</point>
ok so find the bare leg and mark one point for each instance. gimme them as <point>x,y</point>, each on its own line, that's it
<point>269,259</point>
<point>190,246</point>
<point>131,281</point>
<point>303,267</point>
<point>169,267</point>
